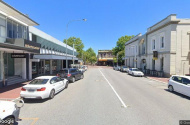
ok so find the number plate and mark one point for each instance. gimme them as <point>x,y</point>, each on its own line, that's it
<point>31,90</point>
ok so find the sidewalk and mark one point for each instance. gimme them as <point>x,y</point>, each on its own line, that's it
<point>12,91</point>
<point>159,79</point>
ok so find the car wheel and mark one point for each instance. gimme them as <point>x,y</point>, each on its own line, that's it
<point>52,94</point>
<point>171,89</point>
<point>73,80</point>
<point>11,120</point>
<point>82,76</point>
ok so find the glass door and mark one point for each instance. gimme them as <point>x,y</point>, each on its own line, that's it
<point>8,65</point>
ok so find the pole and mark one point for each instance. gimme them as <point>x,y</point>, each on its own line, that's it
<point>135,57</point>
<point>66,45</point>
<point>73,53</point>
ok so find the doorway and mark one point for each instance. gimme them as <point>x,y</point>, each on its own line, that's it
<point>8,65</point>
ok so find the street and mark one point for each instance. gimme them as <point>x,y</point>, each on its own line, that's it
<point>109,97</point>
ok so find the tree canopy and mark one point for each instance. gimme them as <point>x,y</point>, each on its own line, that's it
<point>120,47</point>
<point>90,56</point>
<point>78,45</point>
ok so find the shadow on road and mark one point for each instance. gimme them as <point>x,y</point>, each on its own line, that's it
<point>28,101</point>
<point>179,94</point>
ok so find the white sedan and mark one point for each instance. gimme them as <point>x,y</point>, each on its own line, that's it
<point>179,84</point>
<point>9,112</point>
<point>43,87</point>
<point>135,72</point>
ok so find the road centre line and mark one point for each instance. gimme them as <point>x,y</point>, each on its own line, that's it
<point>123,104</point>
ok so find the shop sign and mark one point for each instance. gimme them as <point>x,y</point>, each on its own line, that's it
<point>32,45</point>
<point>18,55</point>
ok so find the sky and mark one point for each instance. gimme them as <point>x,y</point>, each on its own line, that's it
<point>107,20</point>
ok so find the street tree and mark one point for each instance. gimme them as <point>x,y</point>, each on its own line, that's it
<point>78,45</point>
<point>120,47</point>
<point>90,56</point>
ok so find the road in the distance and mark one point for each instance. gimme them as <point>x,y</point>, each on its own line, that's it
<point>92,101</point>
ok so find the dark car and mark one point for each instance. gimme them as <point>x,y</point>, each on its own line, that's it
<point>71,74</point>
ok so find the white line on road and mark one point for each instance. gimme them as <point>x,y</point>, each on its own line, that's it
<point>114,90</point>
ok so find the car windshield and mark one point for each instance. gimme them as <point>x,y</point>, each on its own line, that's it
<point>38,81</point>
<point>135,69</point>
<point>124,66</point>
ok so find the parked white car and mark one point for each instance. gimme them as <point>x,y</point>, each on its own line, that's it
<point>179,84</point>
<point>135,72</point>
<point>43,87</point>
<point>9,112</point>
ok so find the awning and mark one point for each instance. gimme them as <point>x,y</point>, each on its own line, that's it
<point>48,57</point>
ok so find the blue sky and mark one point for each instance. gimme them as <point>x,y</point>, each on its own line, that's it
<point>107,20</point>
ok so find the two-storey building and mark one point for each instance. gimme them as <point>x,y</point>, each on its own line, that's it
<point>164,47</point>
<point>25,50</point>
<point>105,58</point>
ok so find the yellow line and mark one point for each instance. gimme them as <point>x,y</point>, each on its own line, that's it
<point>34,120</point>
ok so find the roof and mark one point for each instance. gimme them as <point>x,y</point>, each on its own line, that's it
<point>44,77</point>
<point>16,15</point>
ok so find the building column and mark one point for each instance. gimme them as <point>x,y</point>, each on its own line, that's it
<point>24,68</point>
<point>44,61</point>
<point>61,64</point>
<point>50,66</point>
<point>1,65</point>
<point>30,70</point>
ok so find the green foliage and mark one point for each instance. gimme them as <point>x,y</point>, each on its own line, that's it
<point>120,47</point>
<point>78,45</point>
<point>90,56</point>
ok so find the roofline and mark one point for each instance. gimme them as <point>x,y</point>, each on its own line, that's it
<point>18,11</point>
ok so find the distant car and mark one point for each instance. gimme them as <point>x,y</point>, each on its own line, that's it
<point>117,68</point>
<point>85,67</point>
<point>43,87</point>
<point>114,67</point>
<point>9,112</point>
<point>124,68</point>
<point>179,84</point>
<point>135,72</point>
<point>71,74</point>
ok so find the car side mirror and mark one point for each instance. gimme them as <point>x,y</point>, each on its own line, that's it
<point>19,103</point>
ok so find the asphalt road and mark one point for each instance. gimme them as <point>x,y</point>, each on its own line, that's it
<point>100,99</point>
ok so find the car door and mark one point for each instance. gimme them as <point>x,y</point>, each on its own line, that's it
<point>78,73</point>
<point>186,86</point>
<point>61,84</point>
<point>177,83</point>
<point>55,85</point>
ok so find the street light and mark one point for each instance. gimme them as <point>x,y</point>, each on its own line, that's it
<point>66,36</point>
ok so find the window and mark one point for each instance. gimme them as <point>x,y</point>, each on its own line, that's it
<point>2,31</point>
<point>162,42</point>
<point>177,79</point>
<point>186,81</point>
<point>53,80</point>
<point>9,29</point>
<point>153,44</point>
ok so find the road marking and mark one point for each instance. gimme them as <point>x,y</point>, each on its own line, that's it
<point>34,120</point>
<point>123,104</point>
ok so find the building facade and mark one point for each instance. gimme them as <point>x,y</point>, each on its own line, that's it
<point>105,58</point>
<point>165,47</point>
<point>25,50</point>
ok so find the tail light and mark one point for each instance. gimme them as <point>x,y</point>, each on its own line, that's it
<point>68,75</point>
<point>22,89</point>
<point>42,89</point>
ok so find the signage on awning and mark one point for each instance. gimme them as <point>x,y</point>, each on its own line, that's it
<point>18,55</point>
